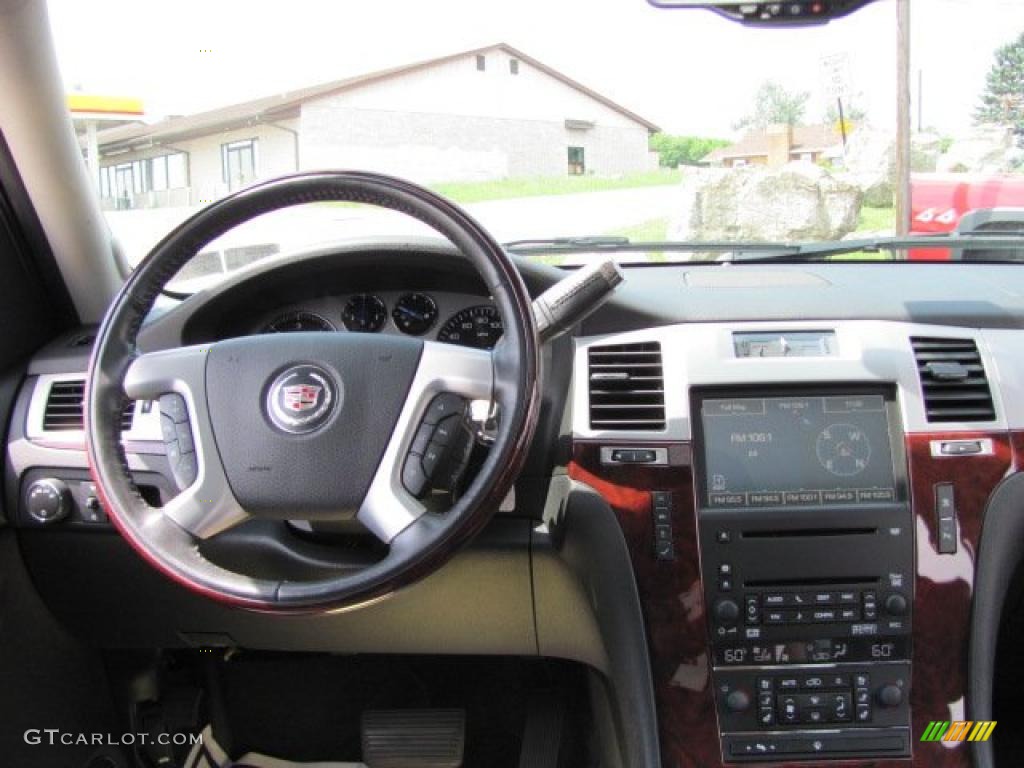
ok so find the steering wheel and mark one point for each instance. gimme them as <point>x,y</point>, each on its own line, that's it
<point>312,426</point>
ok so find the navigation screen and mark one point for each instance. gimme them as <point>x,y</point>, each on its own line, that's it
<point>800,451</point>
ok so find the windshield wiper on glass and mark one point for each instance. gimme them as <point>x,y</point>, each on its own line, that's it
<point>561,245</point>
<point>975,242</point>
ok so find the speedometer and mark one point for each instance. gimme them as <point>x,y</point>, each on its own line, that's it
<point>473,327</point>
<point>292,322</point>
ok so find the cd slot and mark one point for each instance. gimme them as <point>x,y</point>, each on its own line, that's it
<point>807,533</point>
<point>852,581</point>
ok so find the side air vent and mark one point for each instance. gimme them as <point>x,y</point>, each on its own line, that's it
<point>953,380</point>
<point>64,407</point>
<point>627,387</point>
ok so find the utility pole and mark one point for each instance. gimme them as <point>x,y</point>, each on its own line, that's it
<point>903,119</point>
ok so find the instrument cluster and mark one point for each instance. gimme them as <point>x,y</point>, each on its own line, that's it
<point>413,313</point>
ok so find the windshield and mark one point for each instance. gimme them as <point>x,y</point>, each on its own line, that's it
<point>602,121</point>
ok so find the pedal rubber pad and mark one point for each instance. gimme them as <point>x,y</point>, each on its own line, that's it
<point>414,738</point>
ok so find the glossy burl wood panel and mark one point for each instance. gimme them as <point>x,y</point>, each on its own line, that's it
<point>672,593</point>
<point>945,583</point>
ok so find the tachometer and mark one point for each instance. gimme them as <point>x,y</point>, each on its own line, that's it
<point>293,322</point>
<point>364,313</point>
<point>473,327</point>
<point>415,313</point>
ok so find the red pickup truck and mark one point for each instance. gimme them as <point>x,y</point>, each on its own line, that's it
<point>940,201</point>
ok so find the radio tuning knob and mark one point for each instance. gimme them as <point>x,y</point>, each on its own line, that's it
<point>727,611</point>
<point>896,605</point>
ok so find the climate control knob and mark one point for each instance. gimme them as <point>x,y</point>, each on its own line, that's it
<point>48,500</point>
<point>738,701</point>
<point>727,612</point>
<point>890,695</point>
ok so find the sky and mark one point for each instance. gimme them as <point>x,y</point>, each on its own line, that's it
<point>689,71</point>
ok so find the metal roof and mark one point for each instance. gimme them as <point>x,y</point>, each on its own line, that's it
<point>284,105</point>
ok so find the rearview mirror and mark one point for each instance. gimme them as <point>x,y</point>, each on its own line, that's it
<point>794,12</point>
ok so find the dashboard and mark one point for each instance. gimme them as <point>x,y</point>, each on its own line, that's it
<point>798,458</point>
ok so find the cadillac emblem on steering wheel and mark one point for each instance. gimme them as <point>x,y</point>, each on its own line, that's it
<point>302,398</point>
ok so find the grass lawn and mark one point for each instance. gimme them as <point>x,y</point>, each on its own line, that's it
<point>876,219</point>
<point>503,189</point>
<point>652,230</point>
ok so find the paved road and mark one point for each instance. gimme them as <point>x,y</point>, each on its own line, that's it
<point>590,213</point>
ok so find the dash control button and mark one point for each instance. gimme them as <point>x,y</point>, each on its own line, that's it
<point>173,405</point>
<point>442,406</point>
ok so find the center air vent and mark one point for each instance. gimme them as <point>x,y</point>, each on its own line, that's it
<point>627,387</point>
<point>953,380</point>
<point>64,408</point>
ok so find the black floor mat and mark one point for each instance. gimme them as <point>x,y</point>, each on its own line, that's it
<point>308,707</point>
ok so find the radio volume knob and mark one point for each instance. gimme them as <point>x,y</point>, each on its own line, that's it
<point>727,612</point>
<point>48,500</point>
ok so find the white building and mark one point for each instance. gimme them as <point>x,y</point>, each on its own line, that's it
<point>488,113</point>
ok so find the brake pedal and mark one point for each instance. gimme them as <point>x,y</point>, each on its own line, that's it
<point>414,738</point>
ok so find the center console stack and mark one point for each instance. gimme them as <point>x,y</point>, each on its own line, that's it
<point>807,555</point>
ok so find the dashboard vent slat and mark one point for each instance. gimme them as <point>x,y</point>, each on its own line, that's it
<point>64,405</point>
<point>627,387</point>
<point>953,380</point>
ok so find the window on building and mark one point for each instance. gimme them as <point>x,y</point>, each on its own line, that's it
<point>238,162</point>
<point>577,164</point>
<point>138,176</point>
<point>481,63</point>
<point>177,171</point>
<point>513,66</point>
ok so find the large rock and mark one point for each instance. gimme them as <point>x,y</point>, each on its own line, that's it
<point>797,202</point>
<point>870,152</point>
<point>985,149</point>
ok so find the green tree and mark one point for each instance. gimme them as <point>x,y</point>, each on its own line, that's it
<point>851,113</point>
<point>1002,101</point>
<point>774,104</point>
<point>674,151</point>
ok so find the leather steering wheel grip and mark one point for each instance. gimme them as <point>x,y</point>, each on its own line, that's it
<point>417,550</point>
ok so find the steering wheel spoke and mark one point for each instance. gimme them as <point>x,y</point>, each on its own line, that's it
<point>422,444</point>
<point>176,378</point>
